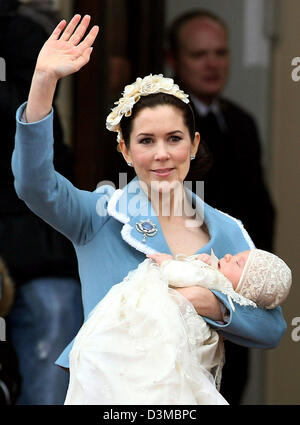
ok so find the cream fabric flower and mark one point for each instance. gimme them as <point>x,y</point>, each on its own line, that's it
<point>132,93</point>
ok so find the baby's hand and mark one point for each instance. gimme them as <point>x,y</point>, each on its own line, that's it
<point>205,258</point>
<point>159,257</point>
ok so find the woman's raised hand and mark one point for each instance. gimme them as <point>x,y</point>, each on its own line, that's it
<point>66,51</point>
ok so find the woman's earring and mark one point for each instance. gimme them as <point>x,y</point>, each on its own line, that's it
<point>192,157</point>
<point>129,164</point>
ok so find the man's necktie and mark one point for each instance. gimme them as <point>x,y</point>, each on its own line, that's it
<point>212,134</point>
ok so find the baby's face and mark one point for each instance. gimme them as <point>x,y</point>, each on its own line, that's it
<point>232,266</point>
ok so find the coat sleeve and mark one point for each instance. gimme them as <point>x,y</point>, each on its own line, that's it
<point>78,214</point>
<point>249,326</point>
<point>246,325</point>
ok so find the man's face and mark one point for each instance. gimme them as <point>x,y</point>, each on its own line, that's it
<point>203,59</point>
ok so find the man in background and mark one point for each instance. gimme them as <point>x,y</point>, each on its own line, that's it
<point>199,56</point>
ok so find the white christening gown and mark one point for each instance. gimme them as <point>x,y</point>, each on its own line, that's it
<point>144,343</point>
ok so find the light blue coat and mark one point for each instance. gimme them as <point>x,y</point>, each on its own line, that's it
<point>102,227</point>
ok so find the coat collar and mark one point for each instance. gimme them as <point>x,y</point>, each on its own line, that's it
<point>131,207</point>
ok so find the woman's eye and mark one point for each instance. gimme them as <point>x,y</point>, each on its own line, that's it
<point>145,141</point>
<point>175,138</point>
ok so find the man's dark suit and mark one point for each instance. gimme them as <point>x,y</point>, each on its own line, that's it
<point>235,185</point>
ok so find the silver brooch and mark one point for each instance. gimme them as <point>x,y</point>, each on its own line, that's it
<point>147,228</point>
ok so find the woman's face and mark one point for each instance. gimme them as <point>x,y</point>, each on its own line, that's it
<point>160,147</point>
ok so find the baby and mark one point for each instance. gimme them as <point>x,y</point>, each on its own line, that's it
<point>144,343</point>
<point>254,274</point>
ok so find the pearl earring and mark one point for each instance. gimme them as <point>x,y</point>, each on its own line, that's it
<point>192,157</point>
<point>129,164</point>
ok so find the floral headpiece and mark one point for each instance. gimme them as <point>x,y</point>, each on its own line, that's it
<point>132,93</point>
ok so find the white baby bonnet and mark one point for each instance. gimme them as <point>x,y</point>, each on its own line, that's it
<point>266,279</point>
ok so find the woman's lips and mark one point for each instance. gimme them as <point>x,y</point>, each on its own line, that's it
<point>212,79</point>
<point>162,172</point>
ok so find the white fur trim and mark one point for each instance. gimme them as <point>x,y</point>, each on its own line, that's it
<point>140,246</point>
<point>230,302</point>
<point>244,231</point>
<point>111,207</point>
<point>127,228</point>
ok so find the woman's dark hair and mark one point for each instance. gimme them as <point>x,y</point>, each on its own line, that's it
<point>153,100</point>
<point>203,159</point>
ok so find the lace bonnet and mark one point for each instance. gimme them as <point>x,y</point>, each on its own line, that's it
<point>266,279</point>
